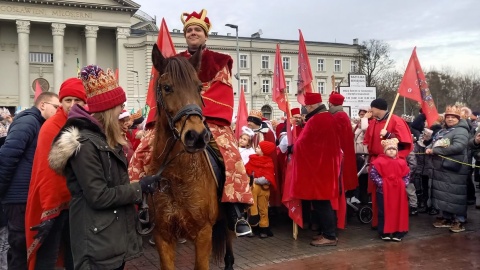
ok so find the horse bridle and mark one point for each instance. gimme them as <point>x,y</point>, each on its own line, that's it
<point>187,110</point>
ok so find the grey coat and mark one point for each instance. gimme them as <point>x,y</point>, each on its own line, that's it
<point>102,211</point>
<point>449,185</point>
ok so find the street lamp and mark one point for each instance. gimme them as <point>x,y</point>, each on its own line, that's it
<point>237,76</point>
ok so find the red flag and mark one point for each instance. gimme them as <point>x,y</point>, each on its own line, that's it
<point>305,76</point>
<point>242,115</point>
<point>116,75</point>
<point>279,82</point>
<point>38,90</point>
<point>414,86</point>
<point>165,44</point>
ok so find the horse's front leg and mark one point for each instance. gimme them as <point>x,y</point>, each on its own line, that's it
<point>166,250</point>
<point>203,248</point>
<point>229,258</point>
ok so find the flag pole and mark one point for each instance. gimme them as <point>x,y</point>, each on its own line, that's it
<point>391,111</point>
<point>295,226</point>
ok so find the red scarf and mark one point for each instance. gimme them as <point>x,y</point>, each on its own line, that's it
<point>262,166</point>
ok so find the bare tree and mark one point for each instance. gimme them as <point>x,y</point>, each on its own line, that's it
<point>374,59</point>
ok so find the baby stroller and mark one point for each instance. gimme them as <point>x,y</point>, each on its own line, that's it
<point>363,212</point>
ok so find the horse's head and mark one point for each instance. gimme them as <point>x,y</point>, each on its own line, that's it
<point>179,100</point>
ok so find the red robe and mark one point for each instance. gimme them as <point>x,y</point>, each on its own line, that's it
<point>395,198</point>
<point>48,194</point>
<point>349,168</point>
<point>316,167</point>
<point>262,166</point>
<point>400,130</point>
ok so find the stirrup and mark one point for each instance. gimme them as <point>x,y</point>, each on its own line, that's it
<point>242,233</point>
<point>144,224</point>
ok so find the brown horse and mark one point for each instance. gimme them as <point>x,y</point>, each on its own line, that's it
<point>186,204</point>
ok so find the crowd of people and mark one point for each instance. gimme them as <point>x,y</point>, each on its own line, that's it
<point>75,164</point>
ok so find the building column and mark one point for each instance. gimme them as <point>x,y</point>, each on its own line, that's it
<point>122,34</point>
<point>58,31</point>
<point>23,30</point>
<point>91,37</point>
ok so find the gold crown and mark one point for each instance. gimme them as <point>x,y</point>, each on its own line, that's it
<point>390,143</point>
<point>256,113</point>
<point>198,19</point>
<point>137,114</point>
<point>453,110</point>
<point>99,83</point>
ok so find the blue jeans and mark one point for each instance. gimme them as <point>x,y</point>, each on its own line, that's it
<point>451,216</point>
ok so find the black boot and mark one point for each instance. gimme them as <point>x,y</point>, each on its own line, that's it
<point>235,219</point>
<point>254,220</point>
<point>265,232</point>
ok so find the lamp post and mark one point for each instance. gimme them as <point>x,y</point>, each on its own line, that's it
<point>237,76</point>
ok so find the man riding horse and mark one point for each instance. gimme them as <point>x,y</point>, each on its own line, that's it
<point>217,92</point>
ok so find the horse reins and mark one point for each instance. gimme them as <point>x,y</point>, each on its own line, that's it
<point>187,110</point>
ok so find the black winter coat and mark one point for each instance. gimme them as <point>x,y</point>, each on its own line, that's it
<point>449,185</point>
<point>102,211</point>
<point>16,156</point>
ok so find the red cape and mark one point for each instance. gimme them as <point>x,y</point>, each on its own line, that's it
<point>317,161</point>
<point>395,198</point>
<point>48,194</point>
<point>262,166</point>
<point>349,168</point>
<point>218,96</point>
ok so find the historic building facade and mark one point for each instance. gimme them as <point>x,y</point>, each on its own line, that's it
<point>47,41</point>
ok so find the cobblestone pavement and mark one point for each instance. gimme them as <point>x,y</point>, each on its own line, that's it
<point>359,247</point>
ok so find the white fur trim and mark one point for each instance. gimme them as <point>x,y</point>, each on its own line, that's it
<point>66,146</point>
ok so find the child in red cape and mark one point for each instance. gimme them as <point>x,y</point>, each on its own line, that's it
<point>391,176</point>
<point>261,167</point>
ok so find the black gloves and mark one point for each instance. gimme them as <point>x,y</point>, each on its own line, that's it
<point>43,229</point>
<point>148,183</point>
<point>290,149</point>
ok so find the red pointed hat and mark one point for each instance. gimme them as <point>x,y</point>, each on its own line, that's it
<point>199,19</point>
<point>312,98</point>
<point>336,99</point>
<point>295,111</point>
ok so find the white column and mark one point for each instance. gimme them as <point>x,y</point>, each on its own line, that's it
<point>58,31</point>
<point>122,34</point>
<point>23,30</point>
<point>91,37</point>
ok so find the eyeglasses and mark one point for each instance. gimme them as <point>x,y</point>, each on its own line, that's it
<point>54,105</point>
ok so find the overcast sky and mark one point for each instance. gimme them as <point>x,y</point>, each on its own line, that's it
<point>446,33</point>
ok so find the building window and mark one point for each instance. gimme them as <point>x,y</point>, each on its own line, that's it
<point>265,86</point>
<point>321,86</point>
<point>265,61</point>
<point>243,61</point>
<point>320,64</point>
<point>288,82</point>
<point>244,85</point>
<point>267,111</point>
<point>37,57</point>
<point>286,63</point>
<point>353,66</point>
<point>338,66</point>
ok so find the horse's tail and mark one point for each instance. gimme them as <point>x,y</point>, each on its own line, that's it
<point>219,240</point>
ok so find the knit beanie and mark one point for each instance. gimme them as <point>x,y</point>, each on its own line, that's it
<point>267,147</point>
<point>103,92</point>
<point>380,104</point>
<point>72,87</point>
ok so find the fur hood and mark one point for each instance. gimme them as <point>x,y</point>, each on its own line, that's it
<point>68,142</point>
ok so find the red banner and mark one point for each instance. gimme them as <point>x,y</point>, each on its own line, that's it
<point>414,86</point>
<point>165,44</point>
<point>279,82</point>
<point>242,115</point>
<point>38,90</point>
<point>305,76</point>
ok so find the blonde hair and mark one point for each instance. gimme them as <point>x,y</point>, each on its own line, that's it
<point>111,127</point>
<point>249,141</point>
